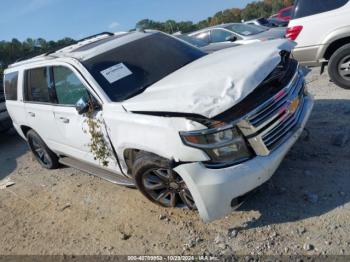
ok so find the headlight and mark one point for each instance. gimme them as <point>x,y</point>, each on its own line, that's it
<point>224,146</point>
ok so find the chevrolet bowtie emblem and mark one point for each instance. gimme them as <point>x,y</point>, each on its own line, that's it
<point>293,106</point>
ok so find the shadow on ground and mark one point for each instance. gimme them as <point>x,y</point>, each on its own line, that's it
<point>315,176</point>
<point>11,148</point>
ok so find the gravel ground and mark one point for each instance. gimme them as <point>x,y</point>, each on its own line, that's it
<point>303,210</point>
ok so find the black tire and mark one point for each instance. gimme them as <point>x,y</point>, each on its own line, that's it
<point>42,153</point>
<point>158,182</point>
<point>339,74</point>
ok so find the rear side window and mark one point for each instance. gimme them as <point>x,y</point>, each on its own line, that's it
<point>69,89</point>
<point>37,85</point>
<point>10,81</point>
<point>311,7</point>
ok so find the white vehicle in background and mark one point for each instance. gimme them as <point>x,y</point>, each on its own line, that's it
<point>189,129</point>
<point>321,29</point>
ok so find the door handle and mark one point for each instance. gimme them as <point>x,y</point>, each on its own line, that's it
<point>31,114</point>
<point>64,120</point>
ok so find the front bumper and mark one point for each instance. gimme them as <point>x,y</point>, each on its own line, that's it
<point>214,189</point>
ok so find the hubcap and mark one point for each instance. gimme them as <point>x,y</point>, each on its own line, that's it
<point>167,188</point>
<point>344,68</point>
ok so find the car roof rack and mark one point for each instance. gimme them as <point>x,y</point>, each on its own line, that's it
<point>81,40</point>
<point>96,35</point>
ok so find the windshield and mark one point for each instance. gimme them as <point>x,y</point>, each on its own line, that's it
<point>245,29</point>
<point>128,70</point>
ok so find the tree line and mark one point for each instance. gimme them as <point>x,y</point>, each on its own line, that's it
<point>253,10</point>
<point>11,51</point>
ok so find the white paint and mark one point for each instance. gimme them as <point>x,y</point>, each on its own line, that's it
<point>318,33</point>
<point>214,83</point>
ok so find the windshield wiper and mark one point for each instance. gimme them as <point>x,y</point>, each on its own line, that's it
<point>139,91</point>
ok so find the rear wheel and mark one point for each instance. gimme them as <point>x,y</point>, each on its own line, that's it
<point>160,183</point>
<point>339,67</point>
<point>41,152</point>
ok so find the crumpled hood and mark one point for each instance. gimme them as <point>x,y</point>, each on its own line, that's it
<point>214,83</point>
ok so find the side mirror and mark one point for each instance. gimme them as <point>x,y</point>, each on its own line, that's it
<point>231,38</point>
<point>82,106</point>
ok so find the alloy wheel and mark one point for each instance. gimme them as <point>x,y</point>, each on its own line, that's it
<point>167,188</point>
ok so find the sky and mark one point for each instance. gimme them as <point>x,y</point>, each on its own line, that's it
<point>55,19</point>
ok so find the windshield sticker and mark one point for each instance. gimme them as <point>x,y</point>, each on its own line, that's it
<point>116,72</point>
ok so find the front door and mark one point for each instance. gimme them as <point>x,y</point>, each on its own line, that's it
<point>73,136</point>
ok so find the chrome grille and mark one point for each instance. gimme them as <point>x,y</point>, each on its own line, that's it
<point>272,123</point>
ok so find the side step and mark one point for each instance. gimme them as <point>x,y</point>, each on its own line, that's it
<point>96,171</point>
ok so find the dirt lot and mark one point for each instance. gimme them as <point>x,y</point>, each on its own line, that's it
<point>304,209</point>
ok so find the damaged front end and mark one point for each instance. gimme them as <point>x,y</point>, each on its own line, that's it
<point>249,141</point>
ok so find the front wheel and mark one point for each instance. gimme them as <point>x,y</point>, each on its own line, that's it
<point>160,183</point>
<point>339,67</point>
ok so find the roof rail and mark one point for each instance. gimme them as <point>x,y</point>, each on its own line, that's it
<point>81,40</point>
<point>93,36</point>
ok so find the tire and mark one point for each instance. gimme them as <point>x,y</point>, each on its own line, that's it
<point>339,67</point>
<point>41,152</point>
<point>158,182</point>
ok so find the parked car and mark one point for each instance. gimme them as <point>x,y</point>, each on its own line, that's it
<point>276,22</point>
<point>238,33</point>
<point>322,32</point>
<point>203,45</point>
<point>267,22</point>
<point>5,120</point>
<point>260,22</point>
<point>286,13</point>
<point>189,129</point>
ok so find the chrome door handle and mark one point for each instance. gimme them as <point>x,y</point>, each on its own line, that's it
<point>31,114</point>
<point>64,120</point>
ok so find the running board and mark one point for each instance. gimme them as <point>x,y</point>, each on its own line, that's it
<point>96,171</point>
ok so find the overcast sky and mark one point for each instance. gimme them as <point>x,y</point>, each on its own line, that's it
<point>55,19</point>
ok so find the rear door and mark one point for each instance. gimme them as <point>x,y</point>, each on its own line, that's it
<point>38,103</point>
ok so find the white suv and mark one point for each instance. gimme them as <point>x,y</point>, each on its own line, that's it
<point>321,29</point>
<point>187,128</point>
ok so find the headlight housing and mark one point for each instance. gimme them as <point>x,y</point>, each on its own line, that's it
<point>225,145</point>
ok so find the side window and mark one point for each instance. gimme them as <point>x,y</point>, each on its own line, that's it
<point>204,36</point>
<point>305,7</point>
<point>10,81</point>
<point>69,89</point>
<point>37,85</point>
<point>218,35</point>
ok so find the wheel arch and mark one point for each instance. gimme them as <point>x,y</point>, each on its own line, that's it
<point>130,154</point>
<point>25,129</point>
<point>334,46</point>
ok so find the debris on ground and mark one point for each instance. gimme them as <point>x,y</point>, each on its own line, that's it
<point>7,182</point>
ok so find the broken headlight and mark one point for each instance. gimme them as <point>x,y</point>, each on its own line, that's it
<point>224,145</point>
